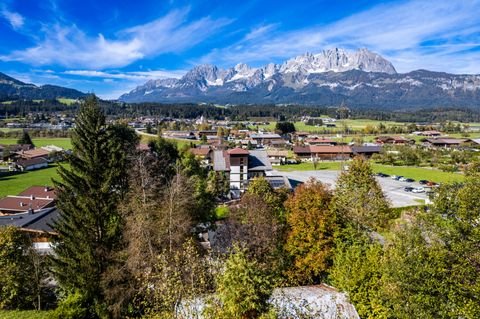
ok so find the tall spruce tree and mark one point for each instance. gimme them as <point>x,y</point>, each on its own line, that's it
<point>25,139</point>
<point>89,190</point>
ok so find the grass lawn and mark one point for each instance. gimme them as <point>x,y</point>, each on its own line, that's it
<point>14,184</point>
<point>26,314</point>
<point>416,173</point>
<point>67,101</point>
<point>327,165</point>
<point>357,125</point>
<point>181,143</point>
<point>39,142</point>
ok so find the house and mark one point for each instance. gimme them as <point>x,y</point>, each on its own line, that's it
<point>428,133</point>
<point>204,154</point>
<point>241,166</point>
<point>35,153</point>
<point>323,152</point>
<point>180,134</point>
<point>366,150</point>
<point>29,164</point>
<point>20,204</point>
<point>320,141</point>
<point>277,157</point>
<point>445,142</point>
<point>392,140</point>
<point>37,224</point>
<point>267,139</point>
<point>39,192</point>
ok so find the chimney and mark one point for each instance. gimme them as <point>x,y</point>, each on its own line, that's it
<point>32,197</point>
<point>21,204</point>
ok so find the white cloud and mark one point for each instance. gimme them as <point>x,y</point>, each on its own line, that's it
<point>71,47</point>
<point>393,30</point>
<point>15,19</point>
<point>136,75</point>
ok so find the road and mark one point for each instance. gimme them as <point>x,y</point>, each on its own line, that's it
<point>393,189</point>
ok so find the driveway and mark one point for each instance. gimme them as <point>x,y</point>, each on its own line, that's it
<point>392,189</point>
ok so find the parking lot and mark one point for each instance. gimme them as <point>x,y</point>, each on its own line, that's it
<point>393,189</point>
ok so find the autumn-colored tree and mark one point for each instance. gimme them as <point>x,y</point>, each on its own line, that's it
<point>358,197</point>
<point>253,225</point>
<point>311,225</point>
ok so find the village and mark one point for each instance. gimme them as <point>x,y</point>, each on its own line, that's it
<point>243,151</point>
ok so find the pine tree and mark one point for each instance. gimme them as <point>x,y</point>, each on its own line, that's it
<point>25,139</point>
<point>88,193</point>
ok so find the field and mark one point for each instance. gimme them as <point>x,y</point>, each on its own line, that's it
<point>39,142</point>
<point>357,125</point>
<point>181,143</point>
<point>26,314</point>
<point>14,184</point>
<point>416,173</point>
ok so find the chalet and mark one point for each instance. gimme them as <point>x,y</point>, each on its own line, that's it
<point>392,140</point>
<point>35,153</point>
<point>445,142</point>
<point>320,141</point>
<point>366,150</point>
<point>277,157</point>
<point>323,152</point>
<point>428,133</point>
<point>29,164</point>
<point>180,134</point>
<point>37,224</point>
<point>20,204</point>
<point>204,154</point>
<point>267,139</point>
<point>241,166</point>
<point>46,192</point>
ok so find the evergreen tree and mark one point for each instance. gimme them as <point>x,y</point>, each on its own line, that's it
<point>88,193</point>
<point>25,139</point>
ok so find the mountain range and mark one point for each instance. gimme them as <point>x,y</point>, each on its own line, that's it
<point>13,89</point>
<point>361,78</point>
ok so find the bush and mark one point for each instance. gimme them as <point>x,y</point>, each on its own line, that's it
<point>72,307</point>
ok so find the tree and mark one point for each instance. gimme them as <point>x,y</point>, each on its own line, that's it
<point>242,289</point>
<point>89,190</point>
<point>17,288</point>
<point>311,225</point>
<point>218,184</point>
<point>357,270</point>
<point>25,139</point>
<point>284,127</point>
<point>358,197</point>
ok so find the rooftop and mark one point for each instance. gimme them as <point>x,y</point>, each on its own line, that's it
<point>37,221</point>
<point>40,192</point>
<point>238,151</point>
<point>23,203</point>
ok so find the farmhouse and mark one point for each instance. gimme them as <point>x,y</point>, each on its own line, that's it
<point>445,142</point>
<point>323,152</point>
<point>320,141</point>
<point>268,139</point>
<point>20,204</point>
<point>29,164</point>
<point>35,153</point>
<point>204,154</point>
<point>37,224</point>
<point>392,140</point>
<point>277,157</point>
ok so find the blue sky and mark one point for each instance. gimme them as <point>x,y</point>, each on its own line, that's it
<point>110,46</point>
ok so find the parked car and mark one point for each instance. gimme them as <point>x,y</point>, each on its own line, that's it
<point>418,190</point>
<point>423,182</point>
<point>409,180</point>
<point>402,179</point>
<point>408,189</point>
<point>397,178</point>
<point>394,177</point>
<point>431,184</point>
<point>382,175</point>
